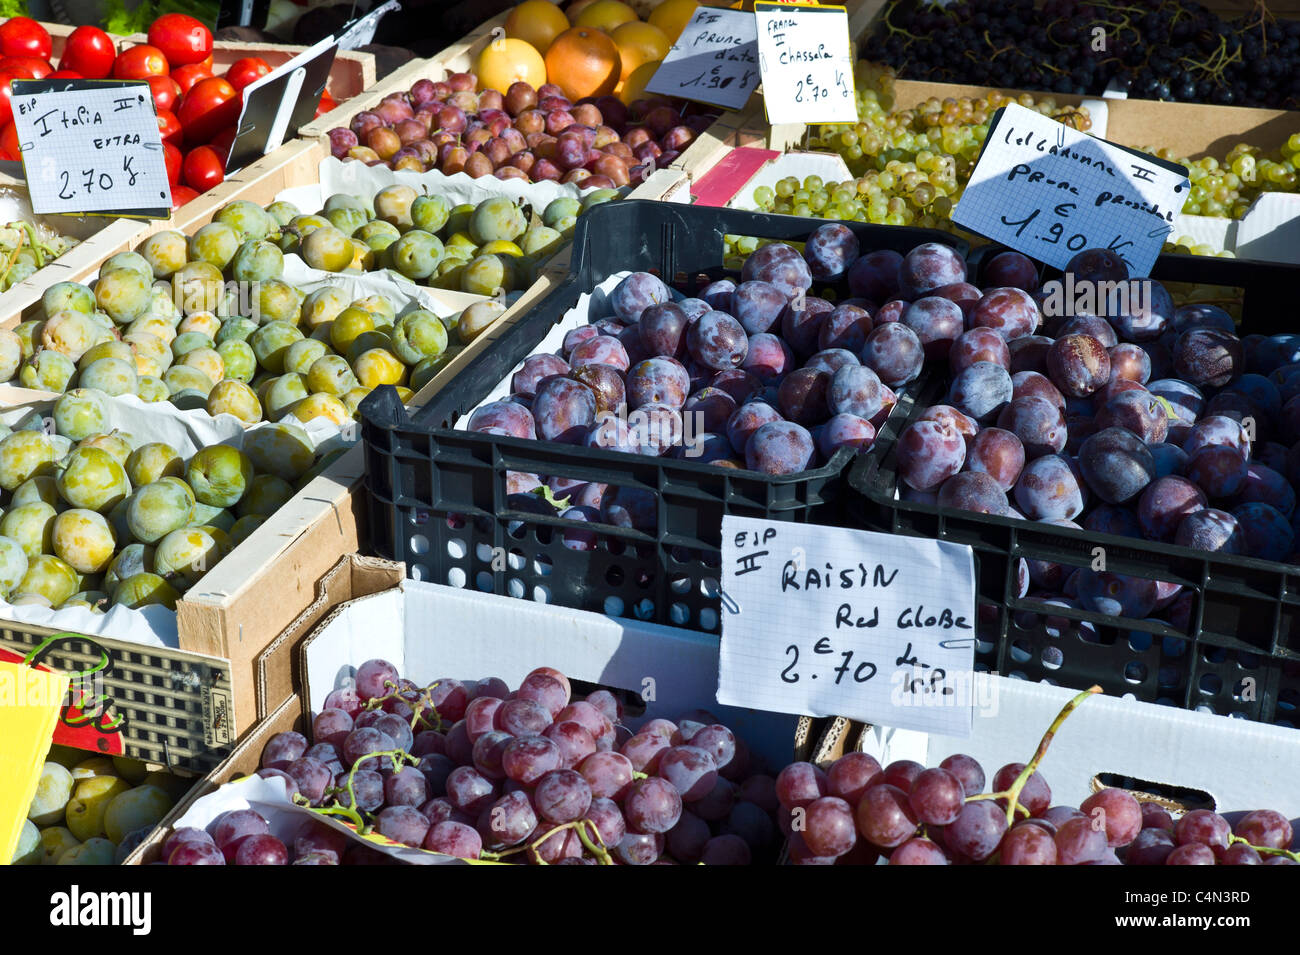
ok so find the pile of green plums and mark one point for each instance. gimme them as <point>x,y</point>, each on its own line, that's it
<point>208,322</point>
<point>491,248</point>
<point>90,518</point>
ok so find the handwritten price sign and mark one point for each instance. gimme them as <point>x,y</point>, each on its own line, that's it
<point>91,147</point>
<point>828,621</point>
<point>806,61</point>
<point>715,60</point>
<point>1050,191</point>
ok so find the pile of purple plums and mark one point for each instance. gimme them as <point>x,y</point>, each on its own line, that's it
<point>755,374</point>
<point>1147,421</point>
<point>520,133</point>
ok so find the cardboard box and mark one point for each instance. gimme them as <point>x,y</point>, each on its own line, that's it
<point>1182,758</point>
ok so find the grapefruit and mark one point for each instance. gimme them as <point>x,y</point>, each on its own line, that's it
<point>605,15</point>
<point>537,22</point>
<point>583,62</point>
<point>509,60</point>
<point>639,43</point>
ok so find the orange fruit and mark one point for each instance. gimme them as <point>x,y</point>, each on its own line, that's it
<point>639,43</point>
<point>583,62</point>
<point>671,16</point>
<point>605,15</point>
<point>634,85</point>
<point>509,60</point>
<point>537,22</point>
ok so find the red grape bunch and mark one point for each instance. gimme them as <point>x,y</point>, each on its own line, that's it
<point>854,812</point>
<point>534,775</point>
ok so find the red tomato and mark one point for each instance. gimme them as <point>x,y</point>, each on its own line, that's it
<point>169,127</point>
<point>203,169</point>
<point>327,105</point>
<point>182,195</point>
<point>209,105</point>
<point>65,75</point>
<point>7,76</point>
<point>23,36</point>
<point>172,159</point>
<point>166,92</point>
<point>223,141</point>
<point>27,67</point>
<point>140,63</point>
<point>90,52</point>
<point>182,39</point>
<point>248,70</point>
<point>187,76</point>
<point>206,63</point>
<point>9,141</point>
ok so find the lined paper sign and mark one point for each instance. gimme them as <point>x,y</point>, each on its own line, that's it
<point>806,61</point>
<point>1050,191</point>
<point>91,146</point>
<point>714,61</point>
<point>829,621</point>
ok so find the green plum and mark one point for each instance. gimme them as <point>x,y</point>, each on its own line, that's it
<point>235,398</point>
<point>81,412</point>
<point>558,209</point>
<point>238,360</point>
<point>598,197</point>
<point>219,475</point>
<point>128,260</point>
<point>124,294</point>
<point>419,335</point>
<point>152,389</point>
<point>83,540</point>
<point>207,360</point>
<point>13,565</point>
<point>300,356</point>
<point>487,275</point>
<point>257,261</point>
<point>69,297</point>
<point>282,394</point>
<point>185,555</point>
<point>276,301</point>
<point>43,487</point>
<point>112,376</point>
<point>347,221</point>
<point>283,212</point>
<point>11,354</point>
<point>331,375</point>
<point>134,558</point>
<point>71,334</point>
<point>198,287</point>
<point>393,205</point>
<point>282,449</point>
<point>93,479</point>
<point>327,249</point>
<point>180,378</point>
<point>157,509</point>
<point>165,252</point>
<point>266,495</point>
<point>323,305</point>
<point>153,462</point>
<point>49,577</point>
<point>235,329</point>
<point>25,454</point>
<point>540,240</point>
<point>416,254</point>
<point>248,219</point>
<point>430,213</point>
<point>498,218</point>
<point>271,341</point>
<point>244,527</point>
<point>145,589</point>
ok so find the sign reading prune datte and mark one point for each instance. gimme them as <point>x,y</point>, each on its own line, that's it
<point>714,61</point>
<point>91,147</point>
<point>1050,191</point>
<point>831,621</point>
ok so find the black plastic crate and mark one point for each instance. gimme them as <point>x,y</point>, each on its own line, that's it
<point>1240,653</point>
<point>437,496</point>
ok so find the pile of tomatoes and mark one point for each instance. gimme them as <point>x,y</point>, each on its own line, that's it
<point>197,109</point>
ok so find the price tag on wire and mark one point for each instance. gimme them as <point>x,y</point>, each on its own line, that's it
<point>831,621</point>
<point>1050,191</point>
<point>714,61</point>
<point>92,147</point>
<point>805,58</point>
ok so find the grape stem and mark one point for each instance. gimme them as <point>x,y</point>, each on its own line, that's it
<point>1265,850</point>
<point>350,811</point>
<point>595,846</point>
<point>1012,793</point>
